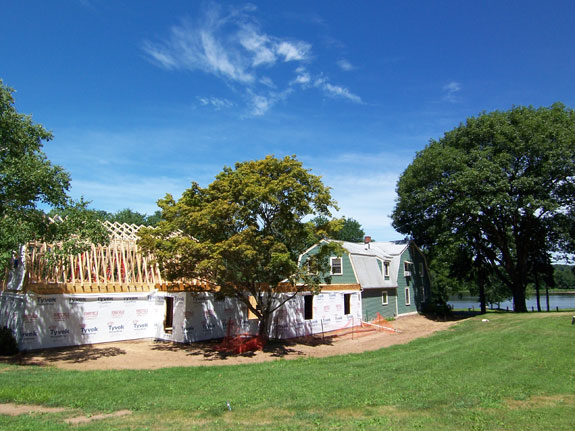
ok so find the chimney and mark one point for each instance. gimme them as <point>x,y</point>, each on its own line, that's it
<point>367,240</point>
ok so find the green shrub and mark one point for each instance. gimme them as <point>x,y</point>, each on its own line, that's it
<point>8,344</point>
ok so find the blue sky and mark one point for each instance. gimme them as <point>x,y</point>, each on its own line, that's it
<point>144,97</point>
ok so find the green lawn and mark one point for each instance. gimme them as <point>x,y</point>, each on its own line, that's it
<point>516,372</point>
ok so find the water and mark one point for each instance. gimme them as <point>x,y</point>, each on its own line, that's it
<point>563,301</point>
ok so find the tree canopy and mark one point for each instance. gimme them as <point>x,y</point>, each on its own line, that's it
<point>129,216</point>
<point>28,180</point>
<point>343,229</point>
<point>243,233</point>
<point>496,195</point>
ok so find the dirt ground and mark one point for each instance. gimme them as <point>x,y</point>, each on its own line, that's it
<point>150,354</point>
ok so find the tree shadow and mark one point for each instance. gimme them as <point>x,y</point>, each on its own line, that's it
<point>74,354</point>
<point>212,349</point>
<point>453,316</point>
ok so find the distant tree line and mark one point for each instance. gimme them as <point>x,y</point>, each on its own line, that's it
<point>129,216</point>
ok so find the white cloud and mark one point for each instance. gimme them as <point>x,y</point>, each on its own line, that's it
<point>336,90</point>
<point>260,104</point>
<point>164,59</point>
<point>258,45</point>
<point>229,44</point>
<point>302,79</point>
<point>268,82</point>
<point>293,51</point>
<point>345,65</point>
<point>450,91</point>
<point>215,102</point>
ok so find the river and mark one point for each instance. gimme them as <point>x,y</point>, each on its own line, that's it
<point>561,300</point>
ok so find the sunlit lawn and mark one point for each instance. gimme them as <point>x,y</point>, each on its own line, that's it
<point>514,372</point>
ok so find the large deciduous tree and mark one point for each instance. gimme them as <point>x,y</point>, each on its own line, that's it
<point>243,233</point>
<point>27,180</point>
<point>501,186</point>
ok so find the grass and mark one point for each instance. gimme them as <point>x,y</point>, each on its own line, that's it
<point>514,372</point>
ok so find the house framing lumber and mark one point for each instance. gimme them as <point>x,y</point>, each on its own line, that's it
<point>119,266</point>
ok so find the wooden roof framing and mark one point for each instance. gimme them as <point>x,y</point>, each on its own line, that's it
<point>119,266</point>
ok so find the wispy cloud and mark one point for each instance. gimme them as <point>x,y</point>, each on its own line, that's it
<point>229,43</point>
<point>215,102</point>
<point>336,90</point>
<point>297,51</point>
<point>260,104</point>
<point>450,91</point>
<point>345,65</point>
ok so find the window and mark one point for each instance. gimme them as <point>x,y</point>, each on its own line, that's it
<point>169,317</point>
<point>407,269</point>
<point>384,298</point>
<point>347,303</point>
<point>308,307</point>
<point>307,265</point>
<point>336,266</point>
<point>407,298</point>
<point>386,269</point>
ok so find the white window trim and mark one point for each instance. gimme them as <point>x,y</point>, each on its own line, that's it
<point>385,295</point>
<point>407,296</point>
<point>331,265</point>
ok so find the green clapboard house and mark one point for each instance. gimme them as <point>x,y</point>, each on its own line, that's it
<point>393,276</point>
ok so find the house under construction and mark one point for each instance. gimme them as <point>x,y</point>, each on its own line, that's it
<point>116,292</point>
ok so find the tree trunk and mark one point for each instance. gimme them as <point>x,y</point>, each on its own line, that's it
<point>264,323</point>
<point>547,296</point>
<point>519,305</point>
<point>537,292</point>
<point>481,282</point>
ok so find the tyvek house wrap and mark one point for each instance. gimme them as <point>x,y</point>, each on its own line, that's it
<point>47,321</point>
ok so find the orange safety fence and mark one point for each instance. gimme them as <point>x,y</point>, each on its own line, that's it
<point>380,323</point>
<point>239,343</point>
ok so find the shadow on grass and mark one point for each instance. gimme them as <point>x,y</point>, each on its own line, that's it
<point>456,315</point>
<point>453,316</point>
<point>75,354</point>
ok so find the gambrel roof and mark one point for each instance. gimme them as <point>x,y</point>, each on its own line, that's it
<point>367,260</point>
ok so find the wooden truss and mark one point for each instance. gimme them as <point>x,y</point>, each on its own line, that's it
<point>119,266</point>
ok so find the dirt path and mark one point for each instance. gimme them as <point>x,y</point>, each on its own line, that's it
<point>149,354</point>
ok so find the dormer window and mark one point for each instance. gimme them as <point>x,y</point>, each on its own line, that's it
<point>336,266</point>
<point>386,269</point>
